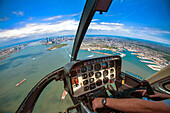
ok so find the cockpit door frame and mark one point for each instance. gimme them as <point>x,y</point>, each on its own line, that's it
<point>160,80</point>
<point>89,10</point>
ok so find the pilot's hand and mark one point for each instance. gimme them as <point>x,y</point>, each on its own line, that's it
<point>157,94</point>
<point>97,103</point>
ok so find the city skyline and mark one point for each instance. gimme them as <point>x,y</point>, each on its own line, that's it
<point>22,21</point>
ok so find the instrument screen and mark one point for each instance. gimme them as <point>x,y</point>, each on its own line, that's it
<point>88,75</point>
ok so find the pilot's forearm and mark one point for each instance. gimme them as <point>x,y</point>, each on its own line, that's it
<point>137,105</point>
<point>161,95</point>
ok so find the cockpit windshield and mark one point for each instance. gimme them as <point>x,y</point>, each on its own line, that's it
<point>36,38</point>
<point>137,31</point>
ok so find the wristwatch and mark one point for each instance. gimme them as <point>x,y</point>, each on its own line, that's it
<point>104,101</point>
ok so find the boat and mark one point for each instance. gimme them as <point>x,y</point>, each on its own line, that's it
<point>68,54</point>
<point>64,95</point>
<point>122,55</point>
<point>91,55</point>
<point>20,82</point>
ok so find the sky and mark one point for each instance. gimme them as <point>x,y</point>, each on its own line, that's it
<point>22,20</point>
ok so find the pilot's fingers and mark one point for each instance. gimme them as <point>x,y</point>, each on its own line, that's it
<point>94,106</point>
<point>152,96</point>
<point>94,109</point>
<point>93,102</point>
<point>143,92</point>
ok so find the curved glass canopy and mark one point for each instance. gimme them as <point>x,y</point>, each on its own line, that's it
<point>30,30</point>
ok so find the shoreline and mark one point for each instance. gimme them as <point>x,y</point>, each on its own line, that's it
<point>101,53</point>
<point>5,57</point>
<point>100,48</point>
<point>154,67</point>
<point>147,62</point>
<point>151,64</point>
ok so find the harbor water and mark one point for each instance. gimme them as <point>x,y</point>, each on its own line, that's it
<point>34,62</point>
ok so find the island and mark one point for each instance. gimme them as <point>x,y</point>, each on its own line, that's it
<point>56,47</point>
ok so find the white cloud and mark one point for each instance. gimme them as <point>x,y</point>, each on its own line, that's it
<point>59,16</point>
<point>69,27</point>
<point>38,29</point>
<point>52,18</point>
<point>4,19</point>
<point>95,20</point>
<point>73,14</point>
<point>119,29</point>
<point>18,13</point>
<point>117,24</point>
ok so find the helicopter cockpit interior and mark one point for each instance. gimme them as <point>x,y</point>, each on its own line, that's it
<point>88,75</point>
<point>86,79</point>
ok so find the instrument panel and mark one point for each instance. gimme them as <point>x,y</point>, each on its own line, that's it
<point>91,74</point>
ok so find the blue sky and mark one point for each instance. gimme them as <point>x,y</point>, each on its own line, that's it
<point>23,20</point>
